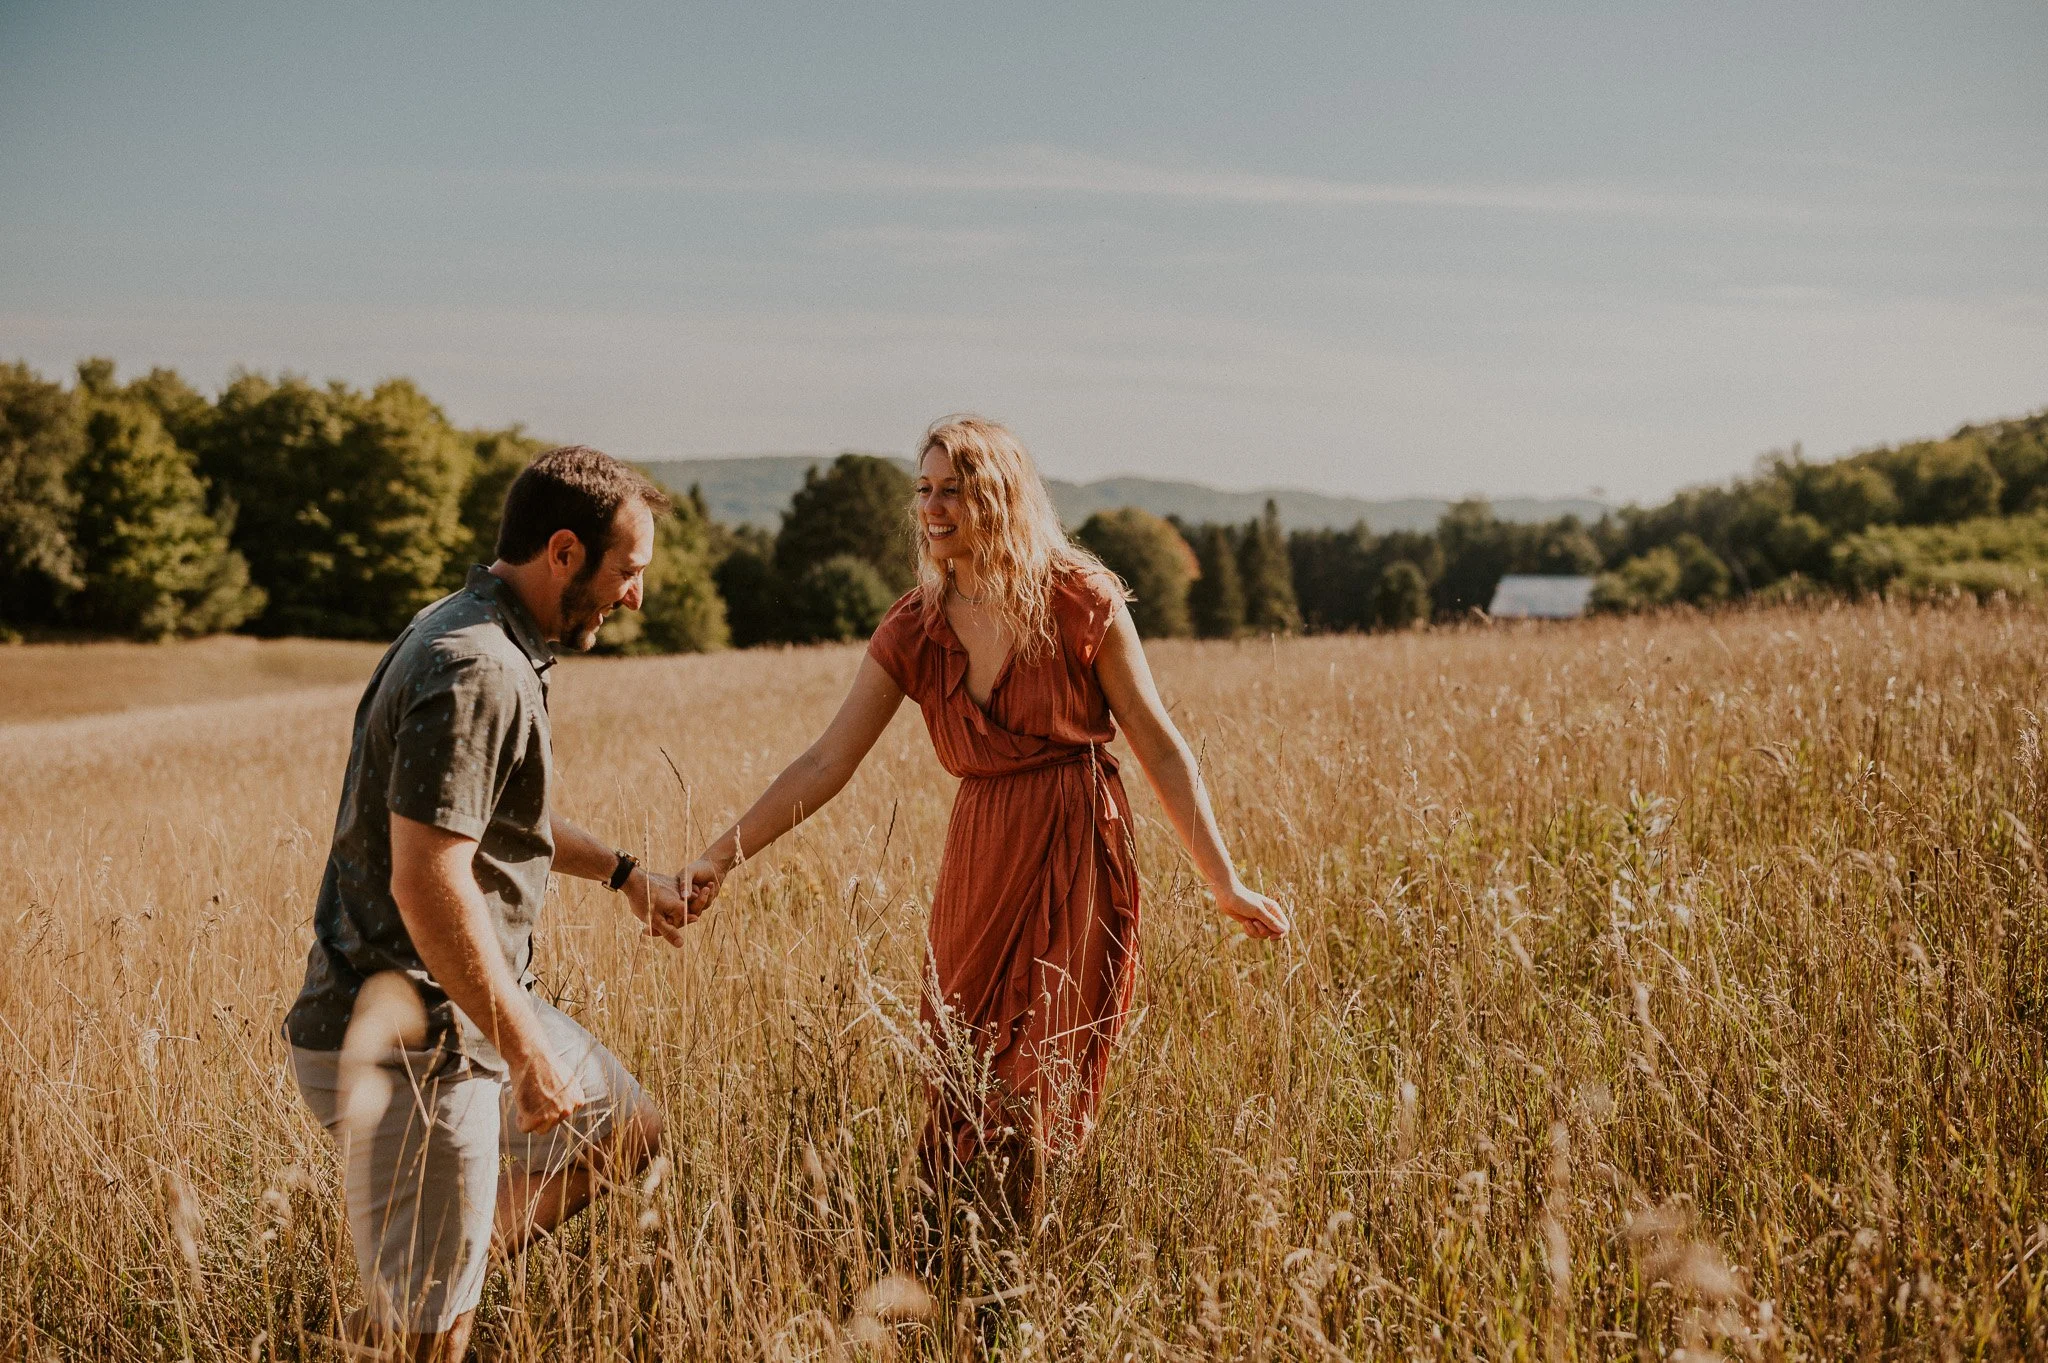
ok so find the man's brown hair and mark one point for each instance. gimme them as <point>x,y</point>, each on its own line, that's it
<point>573,488</point>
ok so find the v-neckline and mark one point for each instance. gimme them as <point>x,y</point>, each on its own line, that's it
<point>995,682</point>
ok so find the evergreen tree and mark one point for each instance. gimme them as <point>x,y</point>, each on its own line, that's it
<point>1268,576</point>
<point>156,561</point>
<point>858,506</point>
<point>350,502</point>
<point>1154,562</point>
<point>1216,597</point>
<point>41,439</point>
<point>1334,575</point>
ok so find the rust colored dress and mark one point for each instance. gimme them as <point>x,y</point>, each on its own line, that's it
<point>1034,926</point>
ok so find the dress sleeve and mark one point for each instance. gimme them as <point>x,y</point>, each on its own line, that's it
<point>895,643</point>
<point>1089,603</point>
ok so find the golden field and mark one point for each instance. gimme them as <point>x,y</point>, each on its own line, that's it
<point>58,681</point>
<point>1658,985</point>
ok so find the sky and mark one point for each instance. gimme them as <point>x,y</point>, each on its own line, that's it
<point>1426,249</point>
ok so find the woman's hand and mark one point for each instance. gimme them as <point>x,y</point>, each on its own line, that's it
<point>1259,916</point>
<point>1134,700</point>
<point>699,883</point>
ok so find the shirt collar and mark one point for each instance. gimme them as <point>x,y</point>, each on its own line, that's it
<point>518,620</point>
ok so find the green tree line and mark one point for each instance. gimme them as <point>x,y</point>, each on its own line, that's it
<point>1967,514</point>
<point>277,506</point>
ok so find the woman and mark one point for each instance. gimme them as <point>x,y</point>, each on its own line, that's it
<point>1019,650</point>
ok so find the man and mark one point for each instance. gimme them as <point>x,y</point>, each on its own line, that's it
<point>417,1041</point>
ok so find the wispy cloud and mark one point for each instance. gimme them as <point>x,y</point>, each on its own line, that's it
<point>1781,295</point>
<point>782,168</point>
<point>1957,173</point>
<point>924,245</point>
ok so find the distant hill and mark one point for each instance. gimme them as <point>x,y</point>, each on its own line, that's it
<point>749,490</point>
<point>755,489</point>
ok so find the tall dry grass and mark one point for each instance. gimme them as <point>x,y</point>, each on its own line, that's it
<point>1658,985</point>
<point>61,681</point>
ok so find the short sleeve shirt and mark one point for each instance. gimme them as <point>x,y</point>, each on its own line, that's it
<point>453,732</point>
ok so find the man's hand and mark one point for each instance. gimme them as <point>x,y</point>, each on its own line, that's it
<point>659,903</point>
<point>434,883</point>
<point>543,1093</point>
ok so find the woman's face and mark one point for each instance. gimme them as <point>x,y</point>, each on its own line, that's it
<point>941,511</point>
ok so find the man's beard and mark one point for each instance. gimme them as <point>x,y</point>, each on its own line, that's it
<point>580,614</point>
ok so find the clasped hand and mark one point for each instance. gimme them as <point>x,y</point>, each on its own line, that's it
<point>668,904</point>
<point>658,902</point>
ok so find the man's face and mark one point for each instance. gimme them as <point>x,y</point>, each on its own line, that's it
<point>606,584</point>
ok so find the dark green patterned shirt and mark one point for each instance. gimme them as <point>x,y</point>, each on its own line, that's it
<point>453,732</point>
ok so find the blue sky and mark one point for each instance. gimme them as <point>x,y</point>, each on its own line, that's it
<point>1425,249</point>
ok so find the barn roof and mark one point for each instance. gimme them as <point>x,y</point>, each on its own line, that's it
<point>1541,597</point>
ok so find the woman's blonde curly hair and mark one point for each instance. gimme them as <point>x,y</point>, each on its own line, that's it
<point>1021,547</point>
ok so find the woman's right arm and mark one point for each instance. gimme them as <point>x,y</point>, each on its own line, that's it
<point>818,774</point>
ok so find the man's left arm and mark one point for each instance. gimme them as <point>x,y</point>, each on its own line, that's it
<point>654,900</point>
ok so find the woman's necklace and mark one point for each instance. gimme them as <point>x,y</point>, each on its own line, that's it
<point>970,600</point>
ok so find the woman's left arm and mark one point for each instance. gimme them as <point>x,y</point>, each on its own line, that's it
<point>1127,682</point>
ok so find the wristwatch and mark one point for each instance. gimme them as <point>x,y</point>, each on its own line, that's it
<point>623,872</point>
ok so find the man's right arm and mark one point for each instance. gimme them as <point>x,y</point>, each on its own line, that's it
<point>434,881</point>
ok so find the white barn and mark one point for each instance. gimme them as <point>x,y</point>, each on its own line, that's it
<point>1529,596</point>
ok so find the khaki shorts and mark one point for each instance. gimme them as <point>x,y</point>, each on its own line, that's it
<point>422,1135</point>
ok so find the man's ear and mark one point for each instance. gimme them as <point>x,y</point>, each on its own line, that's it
<point>565,551</point>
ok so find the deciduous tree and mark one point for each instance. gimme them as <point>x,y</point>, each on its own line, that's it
<point>757,601</point>
<point>1402,598</point>
<point>1154,562</point>
<point>41,438</point>
<point>859,506</point>
<point>350,502</point>
<point>496,458</point>
<point>842,598</point>
<point>156,562</point>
